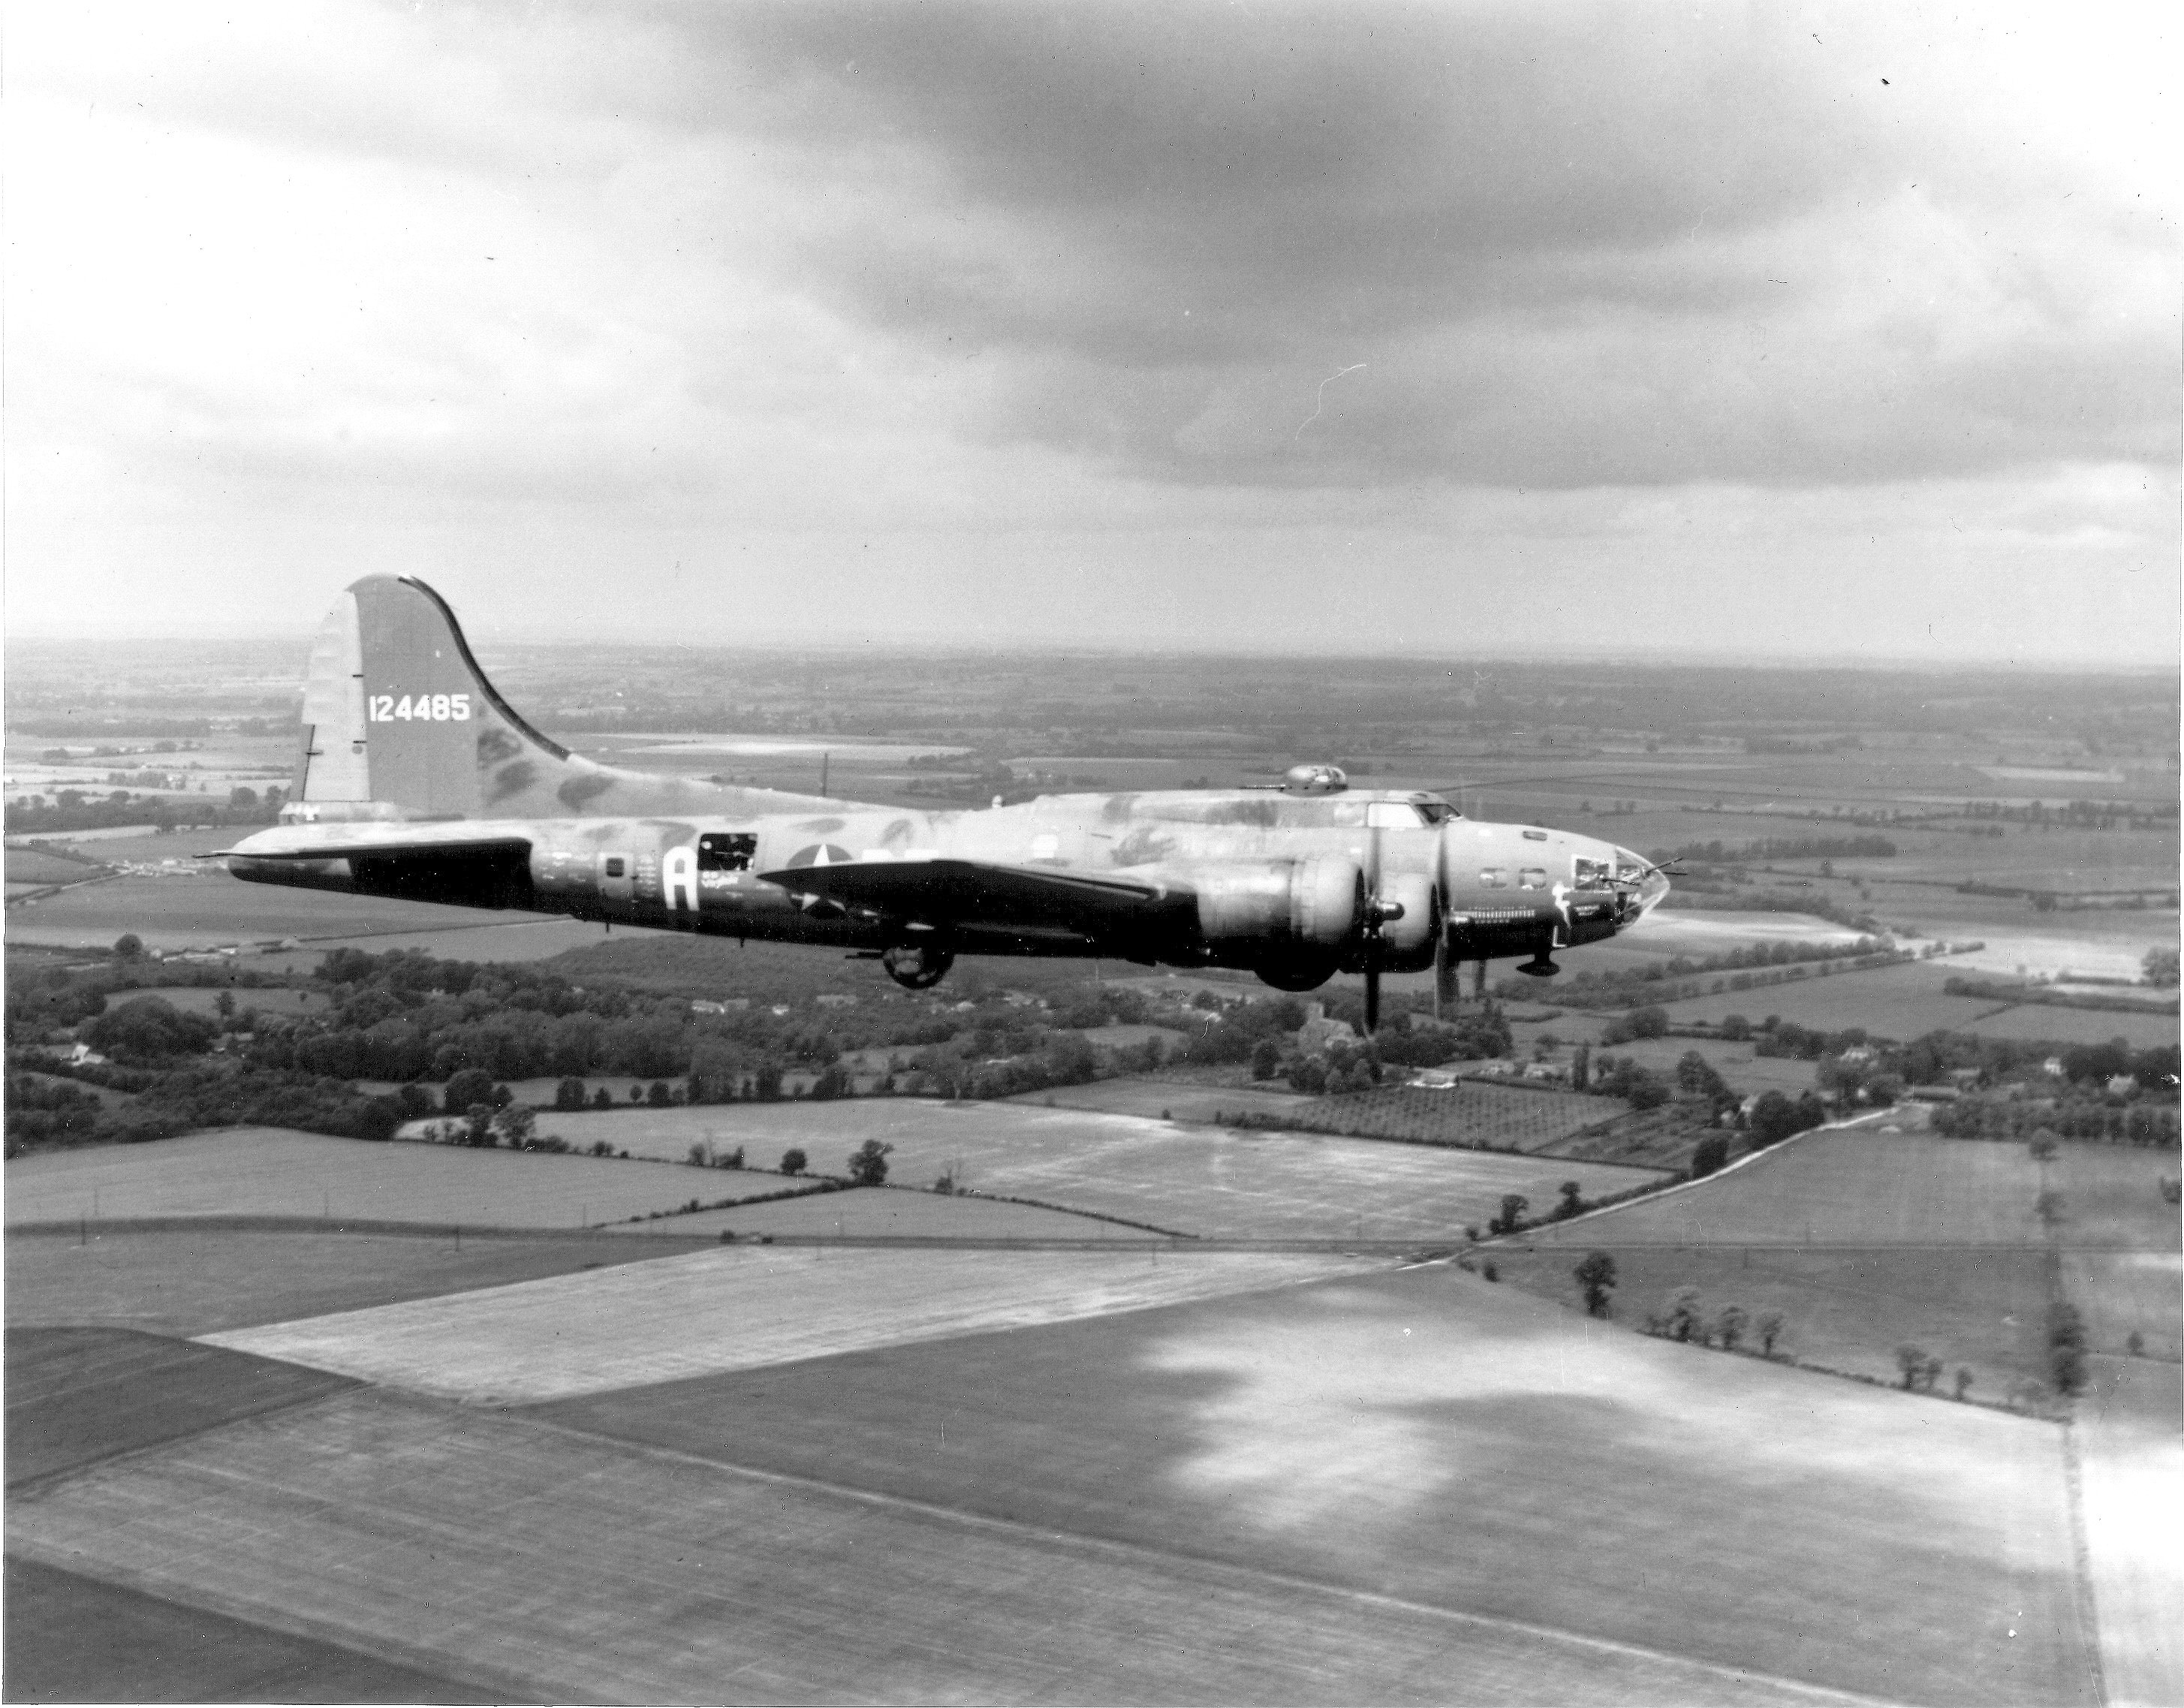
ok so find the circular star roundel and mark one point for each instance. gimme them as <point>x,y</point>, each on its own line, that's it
<point>821,853</point>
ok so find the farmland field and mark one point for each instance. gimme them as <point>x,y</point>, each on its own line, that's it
<point>78,1395</point>
<point>1164,1098</point>
<point>35,866</point>
<point>1851,1186</point>
<point>2126,1293</point>
<point>1902,1002</point>
<point>2049,1020</point>
<point>2133,1506</point>
<point>742,1307</point>
<point>1865,1241</point>
<point>72,1638</point>
<point>200,1280</point>
<point>1212,1180</point>
<point>273,1172</point>
<point>1450,1444</point>
<point>599,1571</point>
<point>213,908</point>
<point>1738,1064</point>
<point>1492,1117</point>
<point>1662,1138</point>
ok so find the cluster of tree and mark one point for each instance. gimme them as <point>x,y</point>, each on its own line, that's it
<point>1775,1117</point>
<point>2066,1347</point>
<point>1347,1064</point>
<point>1639,1022</point>
<point>192,1098</point>
<point>1716,853</point>
<point>2077,815</point>
<point>1639,1086</point>
<point>76,729</point>
<point>1060,1059</point>
<point>1919,1372</point>
<point>72,810</point>
<point>1746,968</point>
<point>41,1114</point>
<point>1683,1317</point>
<point>1790,745</point>
<point>2081,1113</point>
<point>150,1032</point>
<point>45,996</point>
<point>1709,1155</point>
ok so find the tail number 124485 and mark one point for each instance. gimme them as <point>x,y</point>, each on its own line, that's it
<point>436,708</point>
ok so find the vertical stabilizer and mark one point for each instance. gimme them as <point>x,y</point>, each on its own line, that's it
<point>399,722</point>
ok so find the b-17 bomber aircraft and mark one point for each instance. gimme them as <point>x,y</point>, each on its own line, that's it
<point>417,780</point>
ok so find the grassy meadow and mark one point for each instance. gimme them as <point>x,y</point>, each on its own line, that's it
<point>1215,1181</point>
<point>273,1172</point>
<point>1865,1241</point>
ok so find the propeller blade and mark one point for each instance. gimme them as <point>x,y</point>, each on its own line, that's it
<point>1447,970</point>
<point>1372,998</point>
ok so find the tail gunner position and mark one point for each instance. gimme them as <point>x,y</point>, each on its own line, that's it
<point>416,780</point>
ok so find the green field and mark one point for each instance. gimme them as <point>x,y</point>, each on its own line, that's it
<point>2131,1503</point>
<point>599,1571</point>
<point>1865,1241</point>
<point>175,913</point>
<point>1738,1064</point>
<point>743,1307</point>
<point>2049,1021</point>
<point>71,1638</point>
<point>1848,1187</point>
<point>1208,1181</point>
<point>26,866</point>
<point>77,1396</point>
<point>201,1280</point>
<point>258,1172</point>
<point>1492,1117</point>
<point>1164,1097</point>
<point>1450,1444</point>
<point>1902,1002</point>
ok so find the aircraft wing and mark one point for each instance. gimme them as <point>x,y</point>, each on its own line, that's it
<point>977,892</point>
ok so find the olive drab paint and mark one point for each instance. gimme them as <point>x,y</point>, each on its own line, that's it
<point>415,778</point>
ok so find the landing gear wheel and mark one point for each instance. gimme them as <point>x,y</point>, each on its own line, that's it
<point>1539,966</point>
<point>917,966</point>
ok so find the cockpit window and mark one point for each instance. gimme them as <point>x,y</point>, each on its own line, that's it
<point>1591,874</point>
<point>1436,812</point>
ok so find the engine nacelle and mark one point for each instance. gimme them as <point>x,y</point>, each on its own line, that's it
<point>1277,904</point>
<point>1407,943</point>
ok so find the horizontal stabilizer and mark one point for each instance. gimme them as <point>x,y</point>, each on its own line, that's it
<point>463,865</point>
<point>440,843</point>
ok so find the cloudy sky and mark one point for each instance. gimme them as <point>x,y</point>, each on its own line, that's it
<point>1767,330</point>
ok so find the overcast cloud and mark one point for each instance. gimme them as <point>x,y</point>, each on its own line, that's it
<point>1444,327</point>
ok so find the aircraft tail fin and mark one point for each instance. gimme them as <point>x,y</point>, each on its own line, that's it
<point>400,722</point>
